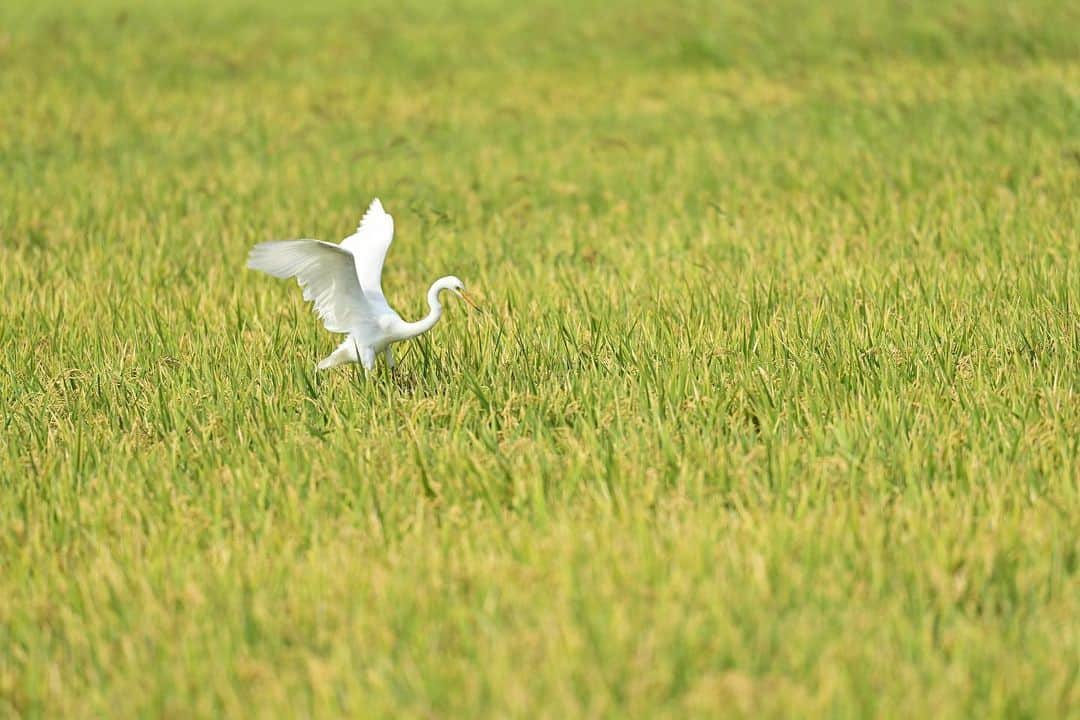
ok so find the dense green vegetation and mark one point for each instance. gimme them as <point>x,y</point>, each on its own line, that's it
<point>774,409</point>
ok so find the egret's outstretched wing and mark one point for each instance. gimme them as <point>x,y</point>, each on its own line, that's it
<point>369,244</point>
<point>325,271</point>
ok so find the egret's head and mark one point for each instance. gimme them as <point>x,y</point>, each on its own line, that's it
<point>453,284</point>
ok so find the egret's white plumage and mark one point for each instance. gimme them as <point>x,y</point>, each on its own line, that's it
<point>345,284</point>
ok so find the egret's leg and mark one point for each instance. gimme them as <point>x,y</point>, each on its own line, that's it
<point>367,358</point>
<point>345,353</point>
<point>389,355</point>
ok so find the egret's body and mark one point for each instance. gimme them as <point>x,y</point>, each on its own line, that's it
<point>345,283</point>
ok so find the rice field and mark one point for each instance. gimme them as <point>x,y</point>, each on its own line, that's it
<point>772,410</point>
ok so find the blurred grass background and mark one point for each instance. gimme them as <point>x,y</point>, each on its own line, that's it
<point>774,410</point>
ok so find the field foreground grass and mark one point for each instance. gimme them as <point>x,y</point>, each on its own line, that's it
<point>774,409</point>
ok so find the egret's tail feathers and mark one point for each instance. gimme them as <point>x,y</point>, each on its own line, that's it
<point>345,353</point>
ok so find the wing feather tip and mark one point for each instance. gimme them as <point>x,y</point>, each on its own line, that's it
<point>374,210</point>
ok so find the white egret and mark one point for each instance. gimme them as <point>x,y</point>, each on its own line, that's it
<point>345,283</point>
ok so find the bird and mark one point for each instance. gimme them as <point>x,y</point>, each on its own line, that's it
<point>344,281</point>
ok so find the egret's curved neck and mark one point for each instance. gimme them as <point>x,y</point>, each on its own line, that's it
<point>412,329</point>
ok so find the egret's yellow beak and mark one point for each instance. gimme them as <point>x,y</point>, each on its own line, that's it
<point>466,298</point>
